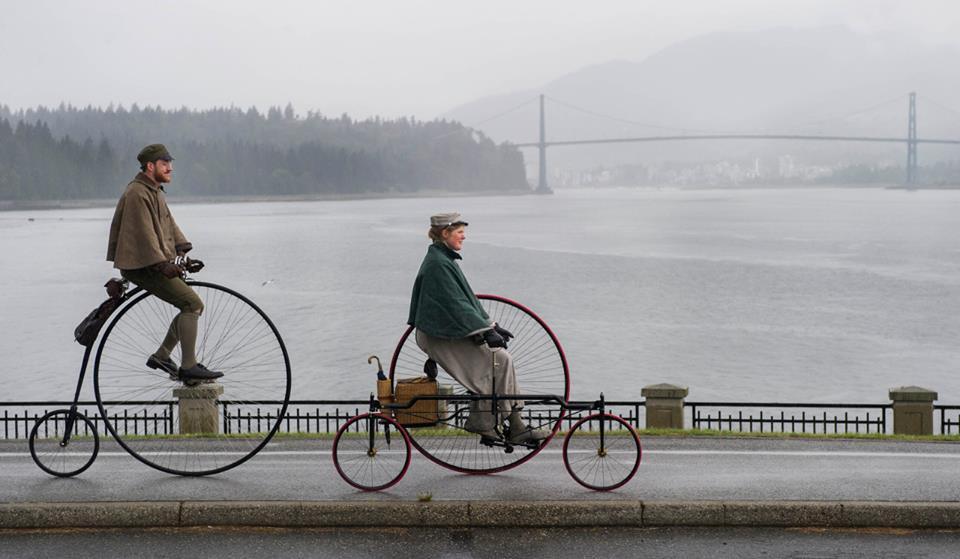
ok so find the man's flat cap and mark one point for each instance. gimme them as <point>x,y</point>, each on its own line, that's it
<point>152,153</point>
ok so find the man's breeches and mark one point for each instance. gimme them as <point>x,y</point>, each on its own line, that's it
<point>172,290</point>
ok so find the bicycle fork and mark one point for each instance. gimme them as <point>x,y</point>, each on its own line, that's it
<point>602,451</point>
<point>372,428</point>
<point>71,417</point>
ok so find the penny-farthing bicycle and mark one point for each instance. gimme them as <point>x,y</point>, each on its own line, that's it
<point>372,451</point>
<point>178,427</point>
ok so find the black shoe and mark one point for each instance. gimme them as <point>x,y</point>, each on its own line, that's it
<point>199,372</point>
<point>166,365</point>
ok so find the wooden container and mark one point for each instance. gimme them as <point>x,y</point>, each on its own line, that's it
<point>385,394</point>
<point>422,413</point>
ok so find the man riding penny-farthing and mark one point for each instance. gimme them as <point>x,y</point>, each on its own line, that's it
<point>464,400</point>
<point>190,377</point>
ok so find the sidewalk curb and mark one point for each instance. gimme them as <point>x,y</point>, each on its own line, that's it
<point>480,514</point>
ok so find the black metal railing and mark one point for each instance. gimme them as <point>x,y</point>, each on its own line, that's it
<point>774,417</point>
<point>327,416</point>
<point>245,417</point>
<point>949,419</point>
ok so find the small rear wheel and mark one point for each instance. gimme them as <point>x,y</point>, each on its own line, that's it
<point>367,455</point>
<point>602,463</point>
<point>64,443</point>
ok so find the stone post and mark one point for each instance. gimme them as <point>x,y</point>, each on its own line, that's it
<point>664,403</point>
<point>198,408</point>
<point>912,410</point>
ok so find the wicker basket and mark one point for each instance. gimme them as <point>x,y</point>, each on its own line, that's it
<point>385,393</point>
<point>422,413</point>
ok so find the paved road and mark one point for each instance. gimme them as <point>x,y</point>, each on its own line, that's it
<point>672,468</point>
<point>500,543</point>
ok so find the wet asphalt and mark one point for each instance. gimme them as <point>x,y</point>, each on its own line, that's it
<point>672,469</point>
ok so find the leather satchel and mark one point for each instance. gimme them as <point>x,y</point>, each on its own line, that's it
<point>86,332</point>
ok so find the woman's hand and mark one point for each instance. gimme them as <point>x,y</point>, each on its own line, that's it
<point>493,339</point>
<point>503,332</point>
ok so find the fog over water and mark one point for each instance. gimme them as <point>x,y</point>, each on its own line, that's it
<point>778,294</point>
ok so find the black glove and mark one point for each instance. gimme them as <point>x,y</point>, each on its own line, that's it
<point>503,332</point>
<point>184,248</point>
<point>168,269</point>
<point>192,265</point>
<point>493,339</point>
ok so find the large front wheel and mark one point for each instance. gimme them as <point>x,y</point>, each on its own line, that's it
<point>193,430</point>
<point>541,369</point>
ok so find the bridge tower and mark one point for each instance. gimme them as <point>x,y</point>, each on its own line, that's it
<point>542,187</point>
<point>912,141</point>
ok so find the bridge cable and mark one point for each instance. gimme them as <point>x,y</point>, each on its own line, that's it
<point>682,130</point>
<point>486,120</point>
<point>848,115</point>
<point>940,105</point>
<point>618,119</point>
<point>704,131</point>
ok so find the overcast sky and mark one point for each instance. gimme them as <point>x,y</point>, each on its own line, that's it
<point>390,58</point>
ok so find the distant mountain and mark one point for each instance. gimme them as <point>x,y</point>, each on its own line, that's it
<point>809,81</point>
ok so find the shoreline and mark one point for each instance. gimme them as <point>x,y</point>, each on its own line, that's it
<point>87,203</point>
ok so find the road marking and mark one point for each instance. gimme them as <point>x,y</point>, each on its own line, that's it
<point>802,453</point>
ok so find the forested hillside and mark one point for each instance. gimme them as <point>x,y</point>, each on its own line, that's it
<point>74,153</point>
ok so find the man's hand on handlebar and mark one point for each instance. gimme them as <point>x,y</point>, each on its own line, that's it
<point>180,267</point>
<point>504,333</point>
<point>169,269</point>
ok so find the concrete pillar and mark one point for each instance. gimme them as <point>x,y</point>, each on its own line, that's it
<point>198,408</point>
<point>664,404</point>
<point>912,410</point>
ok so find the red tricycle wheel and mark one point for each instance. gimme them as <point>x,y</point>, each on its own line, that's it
<point>602,463</point>
<point>367,455</point>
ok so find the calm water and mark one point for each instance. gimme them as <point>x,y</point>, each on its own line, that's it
<point>803,295</point>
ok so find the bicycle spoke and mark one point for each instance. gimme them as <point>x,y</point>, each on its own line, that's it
<point>64,443</point>
<point>366,467</point>
<point>605,468</point>
<point>234,337</point>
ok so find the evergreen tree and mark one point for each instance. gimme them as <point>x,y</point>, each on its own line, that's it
<point>69,152</point>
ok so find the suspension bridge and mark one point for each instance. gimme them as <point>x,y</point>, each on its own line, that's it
<point>910,140</point>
